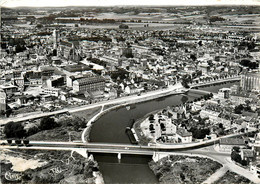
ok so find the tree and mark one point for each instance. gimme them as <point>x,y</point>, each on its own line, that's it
<point>182,176</point>
<point>235,148</point>
<point>39,26</point>
<point>199,133</point>
<point>185,84</point>
<point>238,109</point>
<point>193,57</point>
<point>151,127</point>
<point>244,162</point>
<point>235,156</point>
<point>18,141</point>
<point>47,123</point>
<point>2,112</point>
<point>26,141</point>
<point>151,117</point>
<point>184,99</point>
<point>163,128</point>
<point>32,130</point>
<point>220,125</point>
<point>14,130</point>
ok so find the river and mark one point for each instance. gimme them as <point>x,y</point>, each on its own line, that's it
<point>110,128</point>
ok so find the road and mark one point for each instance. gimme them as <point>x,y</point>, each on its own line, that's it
<point>208,152</point>
<point>222,158</point>
<point>83,135</point>
<point>217,175</point>
<point>103,147</point>
<point>173,89</point>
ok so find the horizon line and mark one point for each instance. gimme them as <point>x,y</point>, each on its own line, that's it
<point>145,5</point>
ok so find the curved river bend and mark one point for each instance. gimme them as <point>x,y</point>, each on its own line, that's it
<point>110,128</point>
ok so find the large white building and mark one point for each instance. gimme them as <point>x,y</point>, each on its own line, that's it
<point>2,100</point>
<point>250,81</point>
<point>224,93</point>
<point>89,84</point>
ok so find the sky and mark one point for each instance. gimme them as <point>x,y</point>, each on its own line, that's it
<point>42,3</point>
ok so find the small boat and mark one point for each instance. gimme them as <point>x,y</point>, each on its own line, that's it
<point>130,135</point>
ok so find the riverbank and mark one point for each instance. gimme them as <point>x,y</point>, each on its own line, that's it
<point>110,128</point>
<point>175,89</point>
<point>148,132</point>
<point>171,90</point>
<point>69,127</point>
<point>143,140</point>
<point>86,132</point>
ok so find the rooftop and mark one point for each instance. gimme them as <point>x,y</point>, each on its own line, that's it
<point>248,152</point>
<point>183,132</point>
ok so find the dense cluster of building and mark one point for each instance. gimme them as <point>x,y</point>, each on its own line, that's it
<point>229,111</point>
<point>55,67</point>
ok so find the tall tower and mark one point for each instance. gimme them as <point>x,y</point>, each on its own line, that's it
<point>2,100</point>
<point>55,39</point>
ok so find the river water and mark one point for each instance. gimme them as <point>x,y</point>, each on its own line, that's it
<point>110,128</point>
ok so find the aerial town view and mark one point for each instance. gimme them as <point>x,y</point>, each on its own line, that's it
<point>112,93</point>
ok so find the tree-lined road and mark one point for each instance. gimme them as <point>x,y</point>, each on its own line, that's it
<point>175,89</point>
<point>172,89</point>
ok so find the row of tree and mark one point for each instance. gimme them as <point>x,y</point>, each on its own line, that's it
<point>16,129</point>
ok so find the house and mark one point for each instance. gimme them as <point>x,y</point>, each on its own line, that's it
<point>183,135</point>
<point>239,99</point>
<point>224,93</point>
<point>197,106</point>
<point>25,99</point>
<point>212,115</point>
<point>247,155</point>
<point>9,89</point>
<point>170,129</point>
<point>204,67</point>
<point>250,118</point>
<point>55,81</point>
<point>47,98</point>
<point>51,91</point>
<point>131,89</point>
<point>255,168</point>
<point>225,122</point>
<point>226,144</point>
<point>33,78</point>
<point>257,141</point>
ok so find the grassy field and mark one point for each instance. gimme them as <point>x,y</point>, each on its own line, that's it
<point>69,127</point>
<point>232,178</point>
<point>183,169</point>
<point>87,114</point>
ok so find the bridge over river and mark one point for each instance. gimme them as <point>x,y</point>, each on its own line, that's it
<point>119,148</point>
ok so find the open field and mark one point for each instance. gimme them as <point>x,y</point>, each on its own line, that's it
<point>46,167</point>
